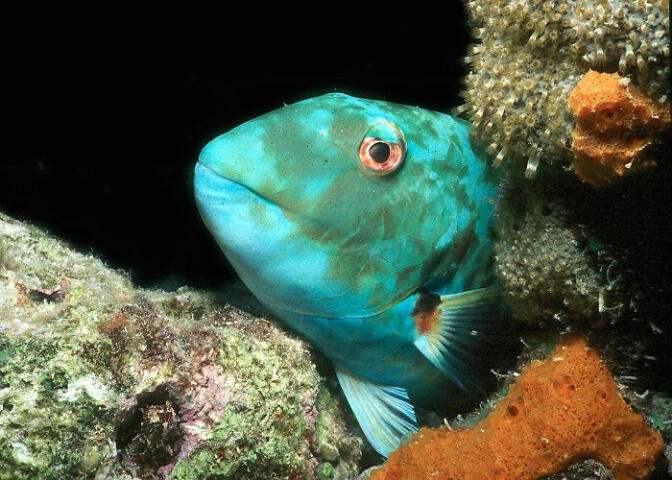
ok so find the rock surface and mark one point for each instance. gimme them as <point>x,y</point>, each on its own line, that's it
<point>100,380</point>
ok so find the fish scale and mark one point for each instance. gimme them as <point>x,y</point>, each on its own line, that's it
<point>365,226</point>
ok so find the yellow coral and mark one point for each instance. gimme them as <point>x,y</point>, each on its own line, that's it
<point>561,410</point>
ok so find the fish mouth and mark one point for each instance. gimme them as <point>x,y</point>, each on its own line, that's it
<point>261,244</point>
<point>209,184</point>
<point>235,214</point>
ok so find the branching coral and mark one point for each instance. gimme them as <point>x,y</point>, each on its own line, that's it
<point>616,124</point>
<point>531,54</point>
<point>561,410</point>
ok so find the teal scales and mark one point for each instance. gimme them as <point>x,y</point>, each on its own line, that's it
<point>366,227</point>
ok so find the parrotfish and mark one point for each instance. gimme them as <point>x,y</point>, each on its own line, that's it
<point>366,226</point>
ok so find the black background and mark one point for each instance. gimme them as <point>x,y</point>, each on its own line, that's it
<point>104,128</point>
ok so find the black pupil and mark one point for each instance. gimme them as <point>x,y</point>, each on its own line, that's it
<point>380,152</point>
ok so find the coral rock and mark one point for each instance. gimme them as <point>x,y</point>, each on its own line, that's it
<point>560,411</point>
<point>615,125</point>
<point>102,380</point>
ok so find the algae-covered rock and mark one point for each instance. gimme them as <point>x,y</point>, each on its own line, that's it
<point>102,380</point>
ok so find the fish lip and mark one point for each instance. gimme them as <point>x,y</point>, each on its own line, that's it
<point>201,165</point>
<point>233,183</point>
<point>204,167</point>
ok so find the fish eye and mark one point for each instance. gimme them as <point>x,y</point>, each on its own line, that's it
<point>383,149</point>
<point>380,152</point>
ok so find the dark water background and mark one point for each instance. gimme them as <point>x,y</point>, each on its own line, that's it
<point>104,129</point>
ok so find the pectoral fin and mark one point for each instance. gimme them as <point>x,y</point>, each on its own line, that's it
<point>447,328</point>
<point>382,411</point>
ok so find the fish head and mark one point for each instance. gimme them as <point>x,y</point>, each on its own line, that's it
<point>338,206</point>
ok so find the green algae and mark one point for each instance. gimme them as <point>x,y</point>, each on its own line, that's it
<point>102,380</point>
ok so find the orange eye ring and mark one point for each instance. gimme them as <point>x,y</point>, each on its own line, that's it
<point>380,156</point>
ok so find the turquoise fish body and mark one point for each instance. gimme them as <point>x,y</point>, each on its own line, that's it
<point>365,226</point>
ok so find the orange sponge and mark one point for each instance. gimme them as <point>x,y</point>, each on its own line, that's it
<point>561,410</point>
<point>614,126</point>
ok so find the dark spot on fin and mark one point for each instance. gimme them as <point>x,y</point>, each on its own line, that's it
<point>448,335</point>
<point>425,311</point>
